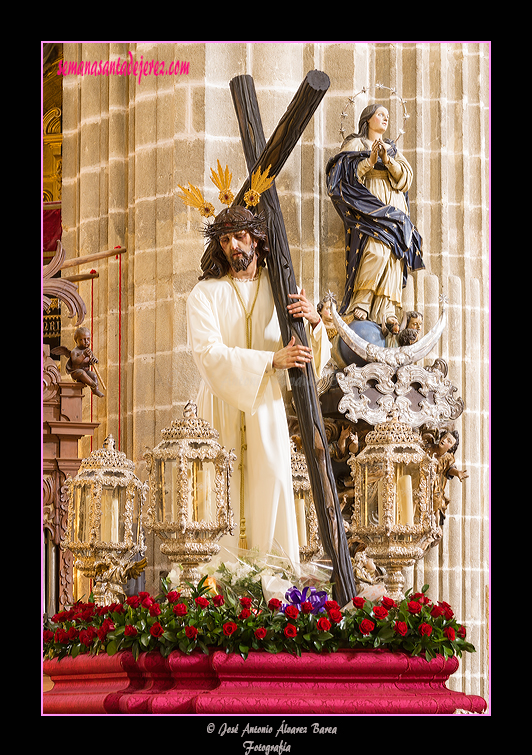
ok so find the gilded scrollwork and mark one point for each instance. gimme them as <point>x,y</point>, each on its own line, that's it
<point>110,561</point>
<point>419,395</point>
<point>393,520</point>
<point>174,507</point>
<point>311,548</point>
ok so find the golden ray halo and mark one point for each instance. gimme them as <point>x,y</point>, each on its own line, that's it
<point>193,197</point>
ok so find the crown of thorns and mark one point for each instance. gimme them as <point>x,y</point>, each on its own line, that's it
<point>246,220</point>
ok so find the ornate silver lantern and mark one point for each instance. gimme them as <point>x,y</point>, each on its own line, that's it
<point>392,511</point>
<point>104,530</point>
<point>189,504</point>
<point>307,521</point>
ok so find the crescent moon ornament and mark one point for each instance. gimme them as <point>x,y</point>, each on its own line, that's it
<point>393,356</point>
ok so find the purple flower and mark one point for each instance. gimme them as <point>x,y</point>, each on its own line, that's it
<point>316,598</point>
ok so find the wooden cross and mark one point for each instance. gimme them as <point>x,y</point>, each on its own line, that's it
<point>283,282</point>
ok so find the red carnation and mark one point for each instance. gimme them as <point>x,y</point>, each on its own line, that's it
<point>366,626</point>
<point>400,627</point>
<point>450,633</point>
<point>335,615</point>
<point>446,609</point>
<point>156,630</point>
<point>105,628</point>
<point>291,612</point>
<point>86,636</point>
<point>380,612</point>
<point>57,618</point>
<point>420,597</point>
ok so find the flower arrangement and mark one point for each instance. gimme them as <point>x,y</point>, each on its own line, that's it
<point>243,577</point>
<point>308,621</point>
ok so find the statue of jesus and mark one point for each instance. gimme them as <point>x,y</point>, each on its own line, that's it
<point>235,338</point>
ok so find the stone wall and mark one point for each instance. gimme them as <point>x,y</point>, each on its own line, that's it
<point>129,141</point>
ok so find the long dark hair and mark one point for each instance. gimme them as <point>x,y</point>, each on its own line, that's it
<point>365,117</point>
<point>214,263</point>
<point>455,435</point>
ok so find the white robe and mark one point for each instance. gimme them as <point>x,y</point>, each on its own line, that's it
<point>237,379</point>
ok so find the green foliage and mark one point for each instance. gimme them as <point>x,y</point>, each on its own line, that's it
<point>206,621</point>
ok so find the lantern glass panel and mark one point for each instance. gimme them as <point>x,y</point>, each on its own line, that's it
<point>201,491</point>
<point>302,505</point>
<point>407,482</point>
<point>113,512</point>
<point>167,487</point>
<point>372,485</point>
<point>80,526</point>
<point>136,525</point>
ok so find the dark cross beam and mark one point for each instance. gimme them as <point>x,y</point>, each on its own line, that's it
<point>281,272</point>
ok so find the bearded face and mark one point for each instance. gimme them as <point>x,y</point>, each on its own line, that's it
<point>239,249</point>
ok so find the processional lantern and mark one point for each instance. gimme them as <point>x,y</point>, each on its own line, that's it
<point>307,521</point>
<point>393,510</point>
<point>104,530</point>
<point>189,502</point>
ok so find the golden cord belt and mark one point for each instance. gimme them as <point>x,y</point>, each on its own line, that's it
<point>242,542</point>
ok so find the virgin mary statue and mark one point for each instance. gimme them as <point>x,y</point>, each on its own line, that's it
<point>368,183</point>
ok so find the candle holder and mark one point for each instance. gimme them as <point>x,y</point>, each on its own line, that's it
<point>104,531</point>
<point>189,505</point>
<point>392,510</point>
<point>307,521</point>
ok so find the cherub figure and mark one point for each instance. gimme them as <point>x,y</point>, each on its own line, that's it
<point>414,321</point>
<point>341,439</point>
<point>407,337</point>
<point>368,577</point>
<point>405,334</point>
<point>443,451</point>
<point>112,577</point>
<point>80,359</point>
<point>324,311</point>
